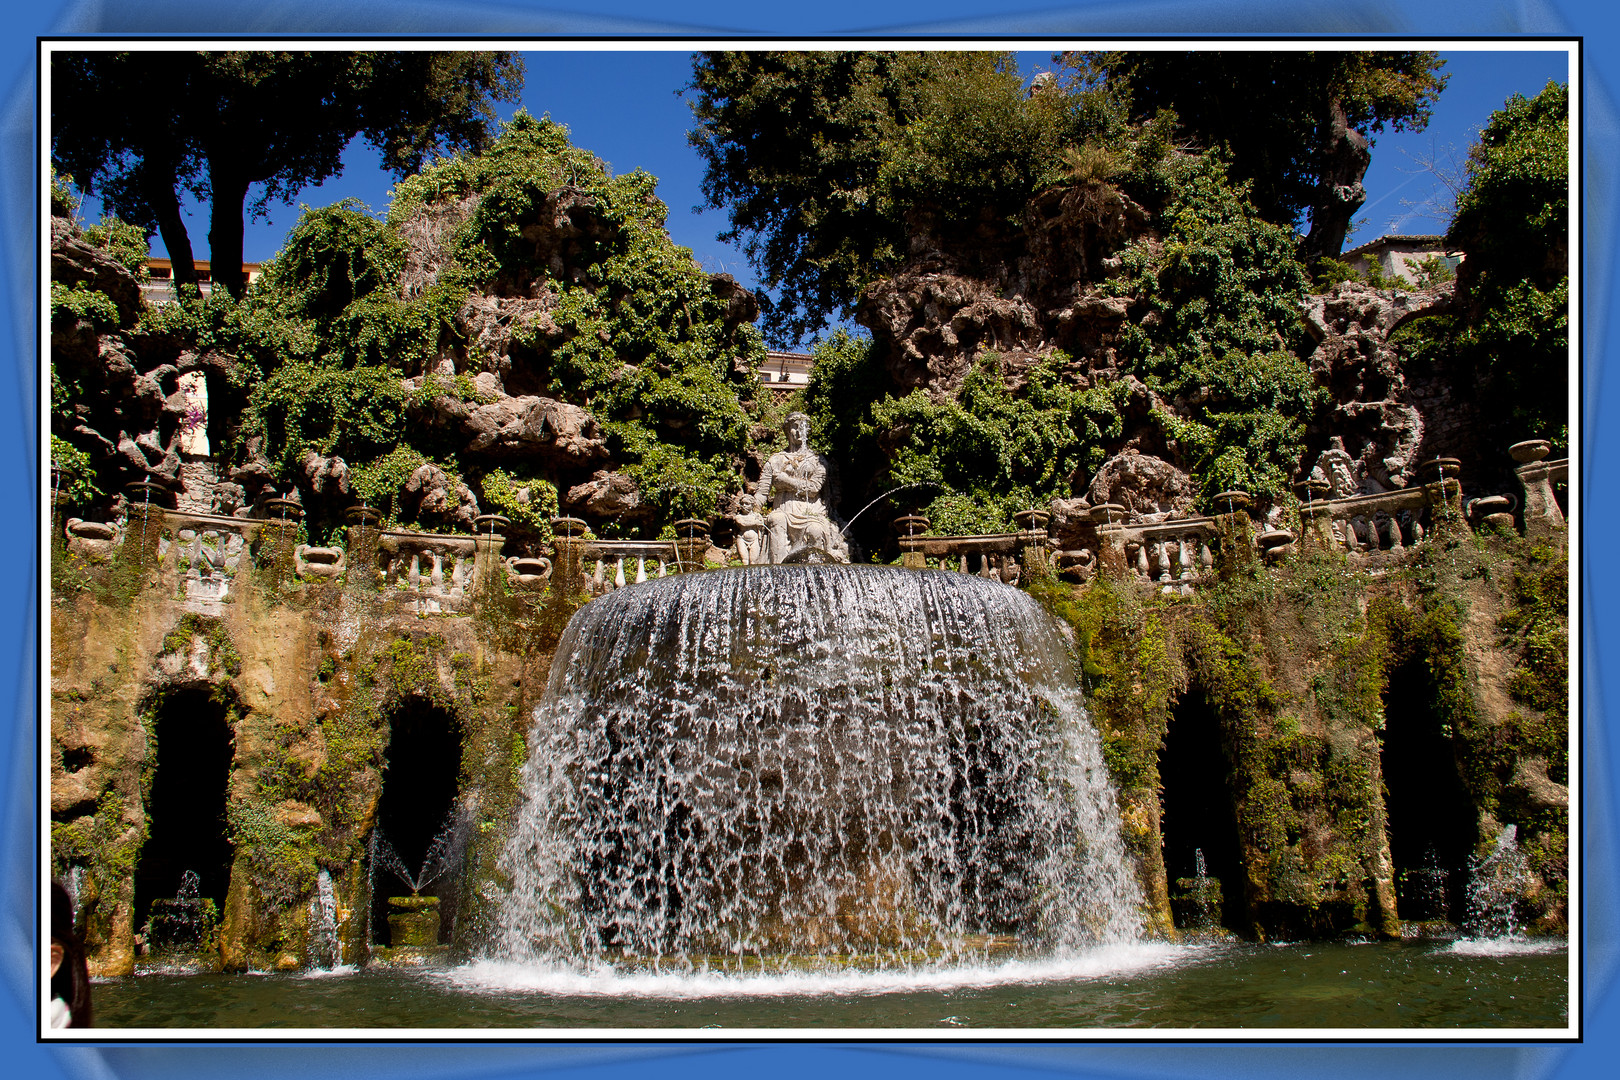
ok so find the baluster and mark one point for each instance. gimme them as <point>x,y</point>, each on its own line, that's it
<point>961,564</point>
<point>458,578</point>
<point>1417,532</point>
<point>1206,557</point>
<point>1186,553</point>
<point>1395,544</point>
<point>415,574</point>
<point>1142,562</point>
<point>598,578</point>
<point>663,567</point>
<point>984,565</point>
<point>618,575</point>
<point>1164,561</point>
<point>641,569</point>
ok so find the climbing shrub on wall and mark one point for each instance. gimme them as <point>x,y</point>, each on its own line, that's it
<point>1223,290</point>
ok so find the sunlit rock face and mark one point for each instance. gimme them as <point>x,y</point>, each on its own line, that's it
<point>848,761</point>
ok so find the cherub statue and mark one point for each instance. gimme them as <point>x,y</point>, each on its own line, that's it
<point>750,545</point>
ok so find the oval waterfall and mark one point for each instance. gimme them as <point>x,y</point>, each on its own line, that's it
<point>855,763</point>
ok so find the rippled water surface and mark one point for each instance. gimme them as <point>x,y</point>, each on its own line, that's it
<point>1513,984</point>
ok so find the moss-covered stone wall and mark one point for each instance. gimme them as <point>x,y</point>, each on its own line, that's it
<point>310,675</point>
<point>1290,666</point>
<point>1294,662</point>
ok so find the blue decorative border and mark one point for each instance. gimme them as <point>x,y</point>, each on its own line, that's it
<point>1596,20</point>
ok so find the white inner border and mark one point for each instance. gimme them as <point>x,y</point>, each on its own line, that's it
<point>1569,46</point>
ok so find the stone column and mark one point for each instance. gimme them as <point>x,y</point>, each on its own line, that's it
<point>1541,513</point>
<point>361,552</point>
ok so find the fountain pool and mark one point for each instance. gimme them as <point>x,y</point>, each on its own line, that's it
<point>1422,987</point>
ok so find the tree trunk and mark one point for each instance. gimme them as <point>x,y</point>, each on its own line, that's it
<point>165,206</point>
<point>228,191</point>
<point>1339,193</point>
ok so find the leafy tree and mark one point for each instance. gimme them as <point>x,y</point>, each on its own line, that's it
<point>141,127</point>
<point>830,162</point>
<point>1299,125</point>
<point>1510,331</point>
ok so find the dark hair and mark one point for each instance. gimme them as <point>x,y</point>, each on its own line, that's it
<point>71,982</point>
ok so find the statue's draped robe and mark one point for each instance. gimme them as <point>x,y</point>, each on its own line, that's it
<point>792,482</point>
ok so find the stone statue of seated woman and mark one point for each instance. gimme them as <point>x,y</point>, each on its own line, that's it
<point>797,526</point>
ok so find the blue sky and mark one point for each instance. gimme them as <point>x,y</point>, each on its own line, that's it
<point>625,107</point>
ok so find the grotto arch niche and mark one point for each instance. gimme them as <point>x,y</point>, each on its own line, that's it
<point>191,732</point>
<point>1197,814</point>
<point>421,773</point>
<point>1432,824</point>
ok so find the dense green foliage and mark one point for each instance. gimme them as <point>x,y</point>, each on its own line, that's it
<point>1224,289</point>
<point>140,127</point>
<point>636,333</point>
<point>1510,333</point>
<point>827,162</point>
<point>1281,115</point>
<point>1220,290</point>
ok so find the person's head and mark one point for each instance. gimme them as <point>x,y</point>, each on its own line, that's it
<point>797,426</point>
<point>70,976</point>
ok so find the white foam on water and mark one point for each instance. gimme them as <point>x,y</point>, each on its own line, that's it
<point>1106,961</point>
<point>1505,946</point>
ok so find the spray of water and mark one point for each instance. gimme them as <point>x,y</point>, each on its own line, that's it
<point>443,855</point>
<point>324,949</point>
<point>1498,883</point>
<point>864,765</point>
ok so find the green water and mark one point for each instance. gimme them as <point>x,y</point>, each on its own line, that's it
<point>1317,985</point>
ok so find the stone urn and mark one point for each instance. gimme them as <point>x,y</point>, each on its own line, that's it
<point>146,491</point>
<point>1231,502</point>
<point>279,509</point>
<point>911,525</point>
<point>567,528</point>
<point>1309,491</point>
<point>318,562</point>
<point>1435,469</point>
<point>529,572</point>
<point>1275,544</point>
<point>491,525</point>
<point>691,542</point>
<point>1529,450</point>
<point>368,516</point>
<point>95,540</point>
<point>1032,520</point>
<point>413,920</point>
<point>1108,514</point>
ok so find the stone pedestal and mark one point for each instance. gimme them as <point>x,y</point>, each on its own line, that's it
<point>1111,557</point>
<point>1541,513</point>
<point>1237,551</point>
<point>413,921</point>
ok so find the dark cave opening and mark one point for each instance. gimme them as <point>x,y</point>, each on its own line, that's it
<point>417,806</point>
<point>1432,826</point>
<point>1197,811</point>
<point>185,811</point>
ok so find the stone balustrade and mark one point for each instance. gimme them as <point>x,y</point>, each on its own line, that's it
<point>1379,528</point>
<point>201,554</point>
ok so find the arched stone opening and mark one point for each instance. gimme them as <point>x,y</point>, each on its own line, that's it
<point>1195,776</point>
<point>418,803</point>
<point>185,812</point>
<point>1431,819</point>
